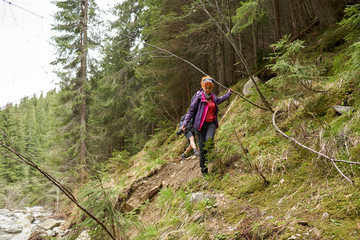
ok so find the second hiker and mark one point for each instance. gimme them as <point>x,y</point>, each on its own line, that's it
<point>189,133</point>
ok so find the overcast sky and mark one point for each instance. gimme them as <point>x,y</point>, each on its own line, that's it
<point>25,49</point>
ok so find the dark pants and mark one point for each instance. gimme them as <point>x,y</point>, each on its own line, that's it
<point>207,131</point>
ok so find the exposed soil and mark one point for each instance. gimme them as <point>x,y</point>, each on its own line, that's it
<point>172,174</point>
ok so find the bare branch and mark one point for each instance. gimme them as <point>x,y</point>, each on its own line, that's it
<point>191,64</point>
<point>231,40</point>
<point>333,160</point>
<point>227,111</point>
<point>62,188</point>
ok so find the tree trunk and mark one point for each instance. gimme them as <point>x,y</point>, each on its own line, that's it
<point>301,14</point>
<point>293,17</point>
<point>276,12</point>
<point>254,39</point>
<point>229,64</point>
<point>83,92</point>
<point>188,91</point>
<point>219,61</point>
<point>327,12</point>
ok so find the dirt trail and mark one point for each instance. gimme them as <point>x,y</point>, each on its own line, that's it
<point>173,174</point>
<point>176,174</point>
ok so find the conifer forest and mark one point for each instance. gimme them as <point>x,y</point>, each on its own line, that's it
<point>101,150</point>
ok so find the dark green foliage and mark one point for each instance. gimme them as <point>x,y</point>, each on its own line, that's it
<point>99,200</point>
<point>28,126</point>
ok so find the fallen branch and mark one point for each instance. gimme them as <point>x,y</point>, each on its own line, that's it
<point>62,188</point>
<point>246,151</point>
<point>243,148</point>
<point>311,89</point>
<point>232,103</point>
<point>333,160</point>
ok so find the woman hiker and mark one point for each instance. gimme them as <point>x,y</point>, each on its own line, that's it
<point>204,109</point>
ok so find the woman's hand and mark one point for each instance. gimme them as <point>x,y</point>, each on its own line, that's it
<point>183,128</point>
<point>230,90</point>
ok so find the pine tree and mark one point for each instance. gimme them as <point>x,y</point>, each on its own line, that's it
<point>73,21</point>
<point>114,93</point>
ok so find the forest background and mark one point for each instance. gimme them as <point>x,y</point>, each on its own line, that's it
<point>107,109</point>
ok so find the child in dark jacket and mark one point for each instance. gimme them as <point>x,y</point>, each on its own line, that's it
<point>189,133</point>
<point>204,110</point>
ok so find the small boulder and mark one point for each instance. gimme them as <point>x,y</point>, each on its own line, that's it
<point>50,224</point>
<point>84,236</point>
<point>11,227</point>
<point>199,196</point>
<point>343,109</point>
<point>248,87</point>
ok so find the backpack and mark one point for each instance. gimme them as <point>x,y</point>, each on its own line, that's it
<point>191,122</point>
<point>189,126</point>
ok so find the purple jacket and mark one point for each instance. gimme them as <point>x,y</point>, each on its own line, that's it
<point>199,107</point>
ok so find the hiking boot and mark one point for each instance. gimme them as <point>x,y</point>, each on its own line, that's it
<point>183,156</point>
<point>196,152</point>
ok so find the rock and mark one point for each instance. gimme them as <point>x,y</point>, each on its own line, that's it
<point>22,224</point>
<point>35,209</point>
<point>316,232</point>
<point>10,227</point>
<point>325,216</point>
<point>197,218</point>
<point>37,235</point>
<point>127,207</point>
<point>247,89</point>
<point>84,235</point>
<point>24,220</point>
<point>151,193</point>
<point>50,224</point>
<point>31,218</point>
<point>51,233</point>
<point>5,236</point>
<point>343,109</point>
<point>6,213</point>
<point>198,197</point>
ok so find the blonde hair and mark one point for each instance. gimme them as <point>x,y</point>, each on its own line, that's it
<point>207,83</point>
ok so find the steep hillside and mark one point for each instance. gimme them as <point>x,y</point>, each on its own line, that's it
<point>261,185</point>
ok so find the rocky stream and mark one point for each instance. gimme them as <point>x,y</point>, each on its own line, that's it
<point>30,223</point>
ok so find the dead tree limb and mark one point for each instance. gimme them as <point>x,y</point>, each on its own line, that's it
<point>232,42</point>
<point>62,188</point>
<point>243,148</point>
<point>204,73</point>
<point>246,151</point>
<point>333,160</point>
<point>232,103</point>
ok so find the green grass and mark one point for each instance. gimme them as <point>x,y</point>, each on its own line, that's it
<point>302,188</point>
